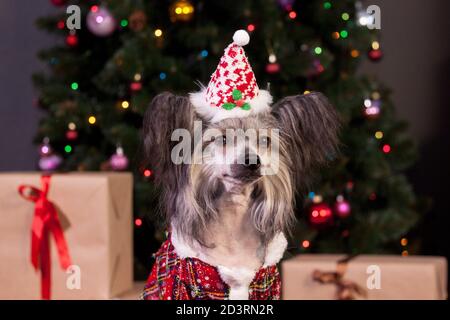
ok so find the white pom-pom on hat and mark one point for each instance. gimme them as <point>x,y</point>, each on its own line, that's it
<point>241,38</point>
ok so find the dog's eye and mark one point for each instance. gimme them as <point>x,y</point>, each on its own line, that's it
<point>264,142</point>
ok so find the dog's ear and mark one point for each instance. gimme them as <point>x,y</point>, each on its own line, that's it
<point>309,126</point>
<point>165,113</point>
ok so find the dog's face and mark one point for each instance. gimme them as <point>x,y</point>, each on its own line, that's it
<point>267,156</point>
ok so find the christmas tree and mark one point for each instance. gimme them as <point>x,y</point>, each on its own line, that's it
<point>102,77</point>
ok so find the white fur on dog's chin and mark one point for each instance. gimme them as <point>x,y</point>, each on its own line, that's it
<point>215,114</point>
<point>237,278</point>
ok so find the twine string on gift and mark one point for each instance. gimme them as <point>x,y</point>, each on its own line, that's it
<point>45,222</point>
<point>346,289</point>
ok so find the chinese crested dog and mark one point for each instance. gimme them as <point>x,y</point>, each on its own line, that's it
<point>230,163</point>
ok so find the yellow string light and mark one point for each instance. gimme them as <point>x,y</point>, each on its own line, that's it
<point>92,119</point>
<point>404,242</point>
<point>375,45</point>
<point>379,135</point>
<point>125,104</point>
<point>158,32</point>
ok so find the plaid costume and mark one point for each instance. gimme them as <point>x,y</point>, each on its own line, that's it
<point>175,278</point>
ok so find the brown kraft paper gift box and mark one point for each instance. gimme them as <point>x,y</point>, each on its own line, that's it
<point>95,210</point>
<point>399,278</point>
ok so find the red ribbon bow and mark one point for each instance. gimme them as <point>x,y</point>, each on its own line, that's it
<point>45,221</point>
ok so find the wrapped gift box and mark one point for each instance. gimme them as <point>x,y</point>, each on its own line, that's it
<point>95,210</point>
<point>381,277</point>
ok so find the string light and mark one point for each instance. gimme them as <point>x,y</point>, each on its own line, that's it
<point>125,104</point>
<point>251,27</point>
<point>204,53</point>
<point>272,58</point>
<point>327,5</point>
<point>386,148</point>
<point>379,135</point>
<point>138,222</point>
<point>92,120</point>
<point>311,194</point>
<point>305,244</point>
<point>375,45</point>
<point>344,34</point>
<point>373,196</point>
<point>147,173</point>
<point>68,149</point>
<point>318,50</point>
<point>292,14</point>
<point>162,76</point>
<point>404,242</point>
<point>335,35</point>
<point>405,253</point>
<point>367,103</point>
<point>74,86</point>
<point>306,92</point>
<point>158,32</point>
<point>354,53</point>
<point>94,8</point>
<point>72,126</point>
<point>345,16</point>
<point>60,25</point>
<point>137,77</point>
<point>124,23</point>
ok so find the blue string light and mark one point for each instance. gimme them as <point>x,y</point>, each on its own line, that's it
<point>204,53</point>
<point>311,195</point>
<point>162,76</point>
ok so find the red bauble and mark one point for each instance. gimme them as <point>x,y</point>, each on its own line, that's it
<point>72,134</point>
<point>58,3</point>
<point>320,215</point>
<point>135,86</point>
<point>72,40</point>
<point>272,68</point>
<point>375,55</point>
<point>342,208</point>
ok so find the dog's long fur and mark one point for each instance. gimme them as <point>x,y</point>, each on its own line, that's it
<point>233,225</point>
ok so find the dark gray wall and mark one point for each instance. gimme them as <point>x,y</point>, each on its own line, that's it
<point>19,43</point>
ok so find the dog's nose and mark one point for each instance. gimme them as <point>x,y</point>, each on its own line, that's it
<point>252,162</point>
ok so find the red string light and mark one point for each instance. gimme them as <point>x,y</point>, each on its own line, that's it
<point>251,27</point>
<point>292,14</point>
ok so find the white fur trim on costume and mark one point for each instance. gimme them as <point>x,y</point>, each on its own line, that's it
<point>238,279</point>
<point>241,38</point>
<point>275,250</point>
<point>215,114</point>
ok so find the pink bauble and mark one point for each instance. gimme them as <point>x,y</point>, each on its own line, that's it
<point>50,163</point>
<point>100,21</point>
<point>119,160</point>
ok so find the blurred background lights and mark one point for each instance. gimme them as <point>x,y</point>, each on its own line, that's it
<point>158,32</point>
<point>68,148</point>
<point>72,126</point>
<point>272,58</point>
<point>344,34</point>
<point>386,148</point>
<point>125,104</point>
<point>318,50</point>
<point>92,119</point>
<point>162,75</point>
<point>204,53</point>
<point>345,16</point>
<point>379,135</point>
<point>74,85</point>
<point>251,27</point>
<point>292,14</point>
<point>375,45</point>
<point>305,244</point>
<point>327,5</point>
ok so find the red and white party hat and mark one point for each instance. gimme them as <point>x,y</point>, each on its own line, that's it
<point>232,91</point>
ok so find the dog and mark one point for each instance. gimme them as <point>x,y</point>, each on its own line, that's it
<point>229,202</point>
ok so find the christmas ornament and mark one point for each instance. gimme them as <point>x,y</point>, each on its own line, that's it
<point>72,40</point>
<point>58,3</point>
<point>137,20</point>
<point>372,108</point>
<point>342,207</point>
<point>119,160</point>
<point>375,55</point>
<point>286,4</point>
<point>181,11</point>
<point>100,21</point>
<point>50,163</point>
<point>135,86</point>
<point>273,67</point>
<point>229,96</point>
<point>72,133</point>
<point>320,215</point>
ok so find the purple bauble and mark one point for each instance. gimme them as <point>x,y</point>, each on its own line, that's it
<point>100,21</point>
<point>50,163</point>
<point>119,160</point>
<point>286,4</point>
<point>342,208</point>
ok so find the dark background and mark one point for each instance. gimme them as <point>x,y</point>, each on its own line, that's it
<point>416,65</point>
